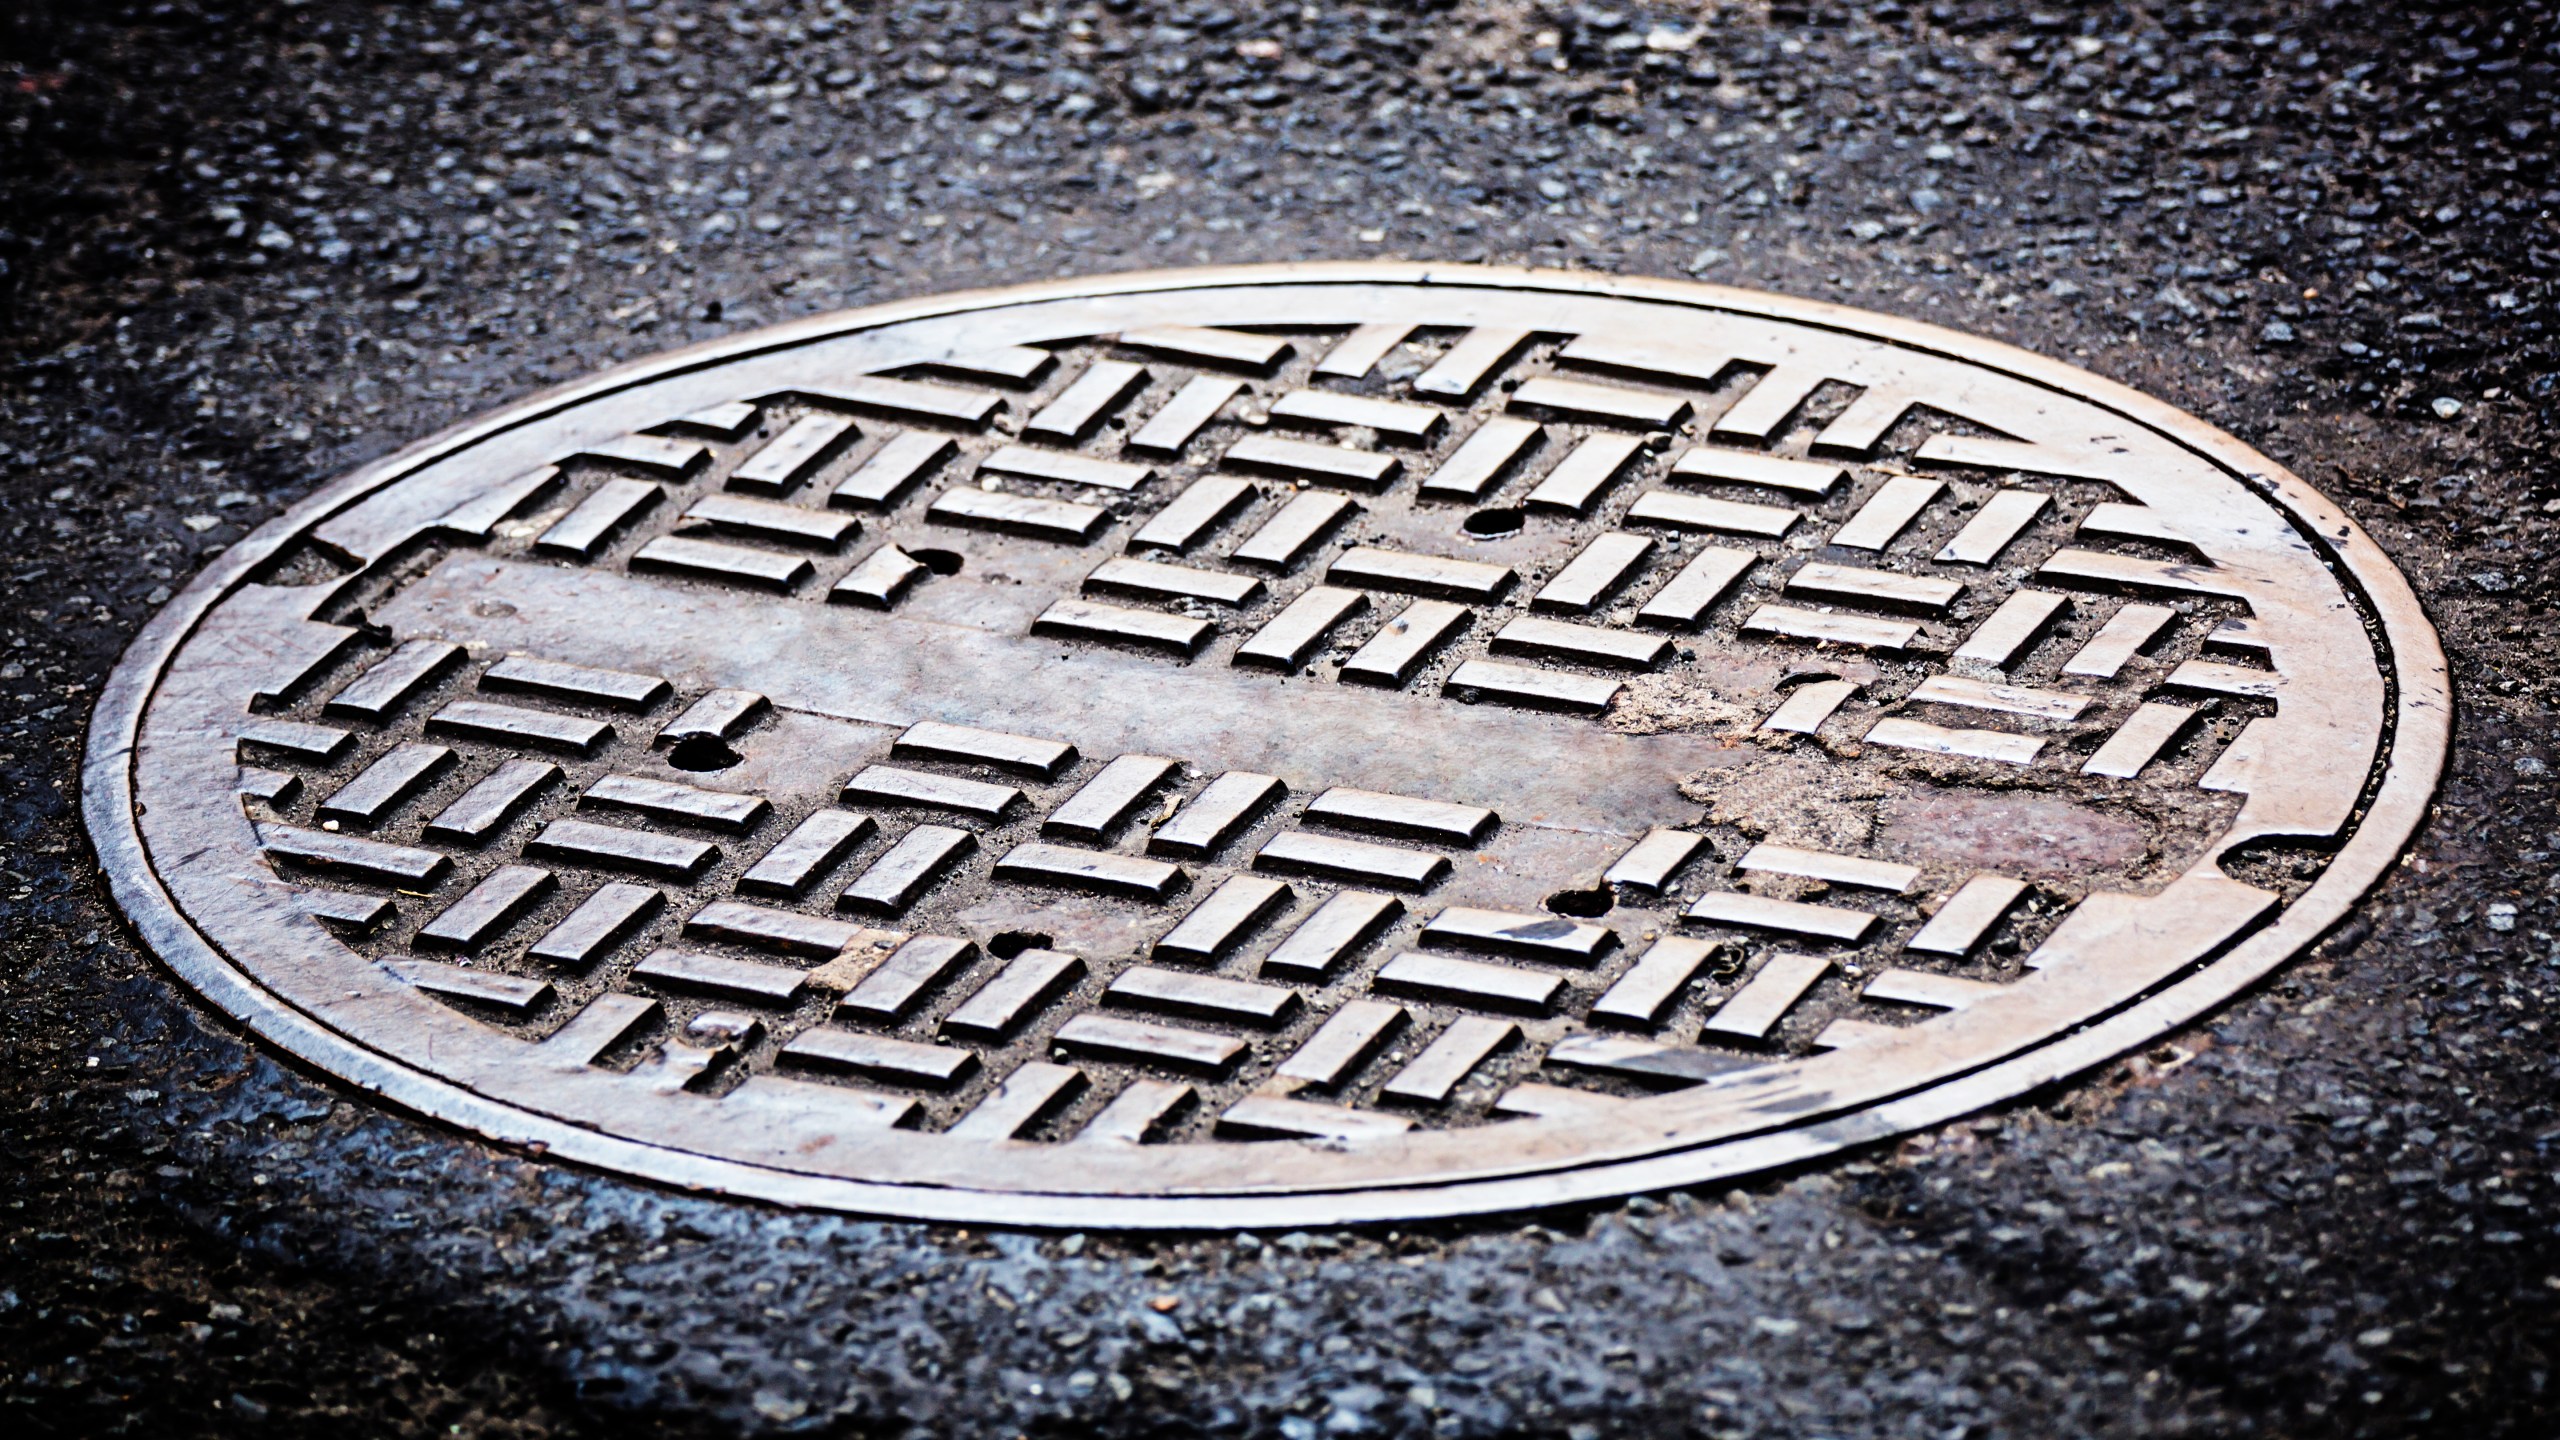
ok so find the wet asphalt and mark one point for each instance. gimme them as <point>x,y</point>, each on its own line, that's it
<point>249,246</point>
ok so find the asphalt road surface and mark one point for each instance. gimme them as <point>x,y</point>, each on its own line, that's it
<point>248,246</point>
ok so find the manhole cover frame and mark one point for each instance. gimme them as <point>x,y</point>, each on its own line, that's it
<point>2417,732</point>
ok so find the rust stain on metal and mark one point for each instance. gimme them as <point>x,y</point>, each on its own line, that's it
<point>2045,837</point>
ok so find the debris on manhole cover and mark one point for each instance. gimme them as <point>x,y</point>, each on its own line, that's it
<point>1267,746</point>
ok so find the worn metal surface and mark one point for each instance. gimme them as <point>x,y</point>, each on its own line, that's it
<point>1258,746</point>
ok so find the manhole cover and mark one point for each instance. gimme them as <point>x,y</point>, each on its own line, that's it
<point>1267,746</point>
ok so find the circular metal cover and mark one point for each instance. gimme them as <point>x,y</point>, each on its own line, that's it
<point>1267,746</point>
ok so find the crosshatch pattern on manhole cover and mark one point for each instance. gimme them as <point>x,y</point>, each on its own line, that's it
<point>1267,746</point>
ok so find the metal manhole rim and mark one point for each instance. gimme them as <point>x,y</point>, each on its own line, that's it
<point>2416,744</point>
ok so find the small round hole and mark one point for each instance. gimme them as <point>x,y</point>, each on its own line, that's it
<point>1014,942</point>
<point>1493,522</point>
<point>703,752</point>
<point>1583,904</point>
<point>940,562</point>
